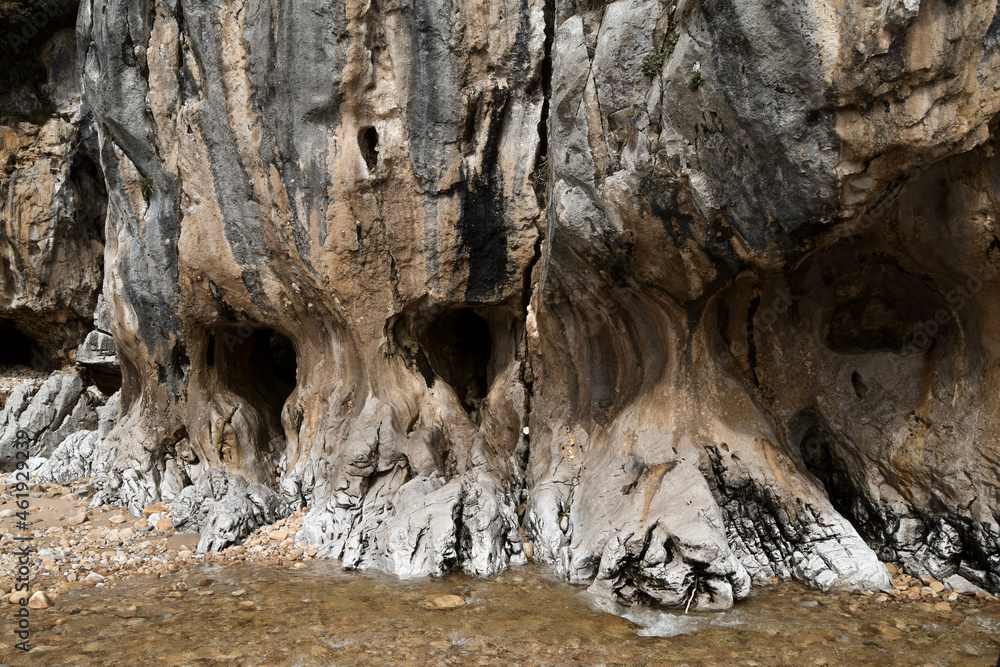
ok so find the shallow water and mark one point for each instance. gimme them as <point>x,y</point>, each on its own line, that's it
<point>320,615</point>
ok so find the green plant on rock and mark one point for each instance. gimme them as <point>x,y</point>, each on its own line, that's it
<point>146,186</point>
<point>695,82</point>
<point>653,63</point>
<point>672,37</point>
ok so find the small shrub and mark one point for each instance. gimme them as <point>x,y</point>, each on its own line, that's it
<point>672,37</point>
<point>695,82</point>
<point>653,63</point>
<point>146,186</point>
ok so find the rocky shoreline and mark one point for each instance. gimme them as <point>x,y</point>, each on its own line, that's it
<point>75,545</point>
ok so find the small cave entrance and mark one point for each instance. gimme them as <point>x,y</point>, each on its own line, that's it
<point>16,348</point>
<point>368,143</point>
<point>257,364</point>
<point>456,346</point>
<point>823,456</point>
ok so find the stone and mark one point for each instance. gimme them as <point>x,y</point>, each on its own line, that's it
<point>16,597</point>
<point>942,606</point>
<point>50,412</point>
<point>117,519</point>
<point>963,585</point>
<point>39,600</point>
<point>246,605</point>
<point>447,601</point>
<point>155,508</point>
<point>164,525</point>
<point>93,579</point>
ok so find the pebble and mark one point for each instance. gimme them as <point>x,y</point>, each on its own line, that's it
<point>39,600</point>
<point>77,519</point>
<point>118,519</point>
<point>15,598</point>
<point>155,508</point>
<point>6,514</point>
<point>942,606</point>
<point>93,579</point>
<point>246,604</point>
<point>447,602</point>
<point>164,524</point>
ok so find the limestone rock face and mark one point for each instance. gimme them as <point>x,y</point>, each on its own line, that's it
<point>688,296</point>
<point>48,412</point>
<point>51,223</point>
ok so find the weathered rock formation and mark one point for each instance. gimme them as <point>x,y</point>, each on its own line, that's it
<point>51,222</point>
<point>686,296</point>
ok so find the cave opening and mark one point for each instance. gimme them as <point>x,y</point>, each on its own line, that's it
<point>16,349</point>
<point>368,143</point>
<point>822,457</point>
<point>257,364</point>
<point>458,346</point>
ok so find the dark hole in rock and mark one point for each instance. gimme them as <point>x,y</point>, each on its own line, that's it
<point>368,143</point>
<point>860,389</point>
<point>458,344</point>
<point>16,349</point>
<point>257,364</point>
<point>107,380</point>
<point>824,457</point>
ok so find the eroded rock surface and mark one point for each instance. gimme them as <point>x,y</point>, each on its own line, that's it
<point>48,412</point>
<point>52,211</point>
<point>683,296</point>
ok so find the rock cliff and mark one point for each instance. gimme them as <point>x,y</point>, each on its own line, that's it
<point>678,297</point>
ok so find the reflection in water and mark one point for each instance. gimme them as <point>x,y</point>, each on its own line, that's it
<point>321,615</point>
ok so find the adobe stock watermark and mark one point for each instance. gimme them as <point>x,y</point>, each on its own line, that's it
<point>22,578</point>
<point>47,9</point>
<point>958,298</point>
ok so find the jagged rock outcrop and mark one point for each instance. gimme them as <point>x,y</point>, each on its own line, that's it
<point>72,458</point>
<point>48,412</point>
<point>687,295</point>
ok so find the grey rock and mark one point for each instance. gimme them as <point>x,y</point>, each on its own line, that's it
<point>959,583</point>
<point>48,413</point>
<point>71,460</point>
<point>225,509</point>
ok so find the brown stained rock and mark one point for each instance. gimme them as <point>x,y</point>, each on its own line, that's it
<point>446,601</point>
<point>93,579</point>
<point>164,525</point>
<point>155,508</point>
<point>39,600</point>
<point>77,519</point>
